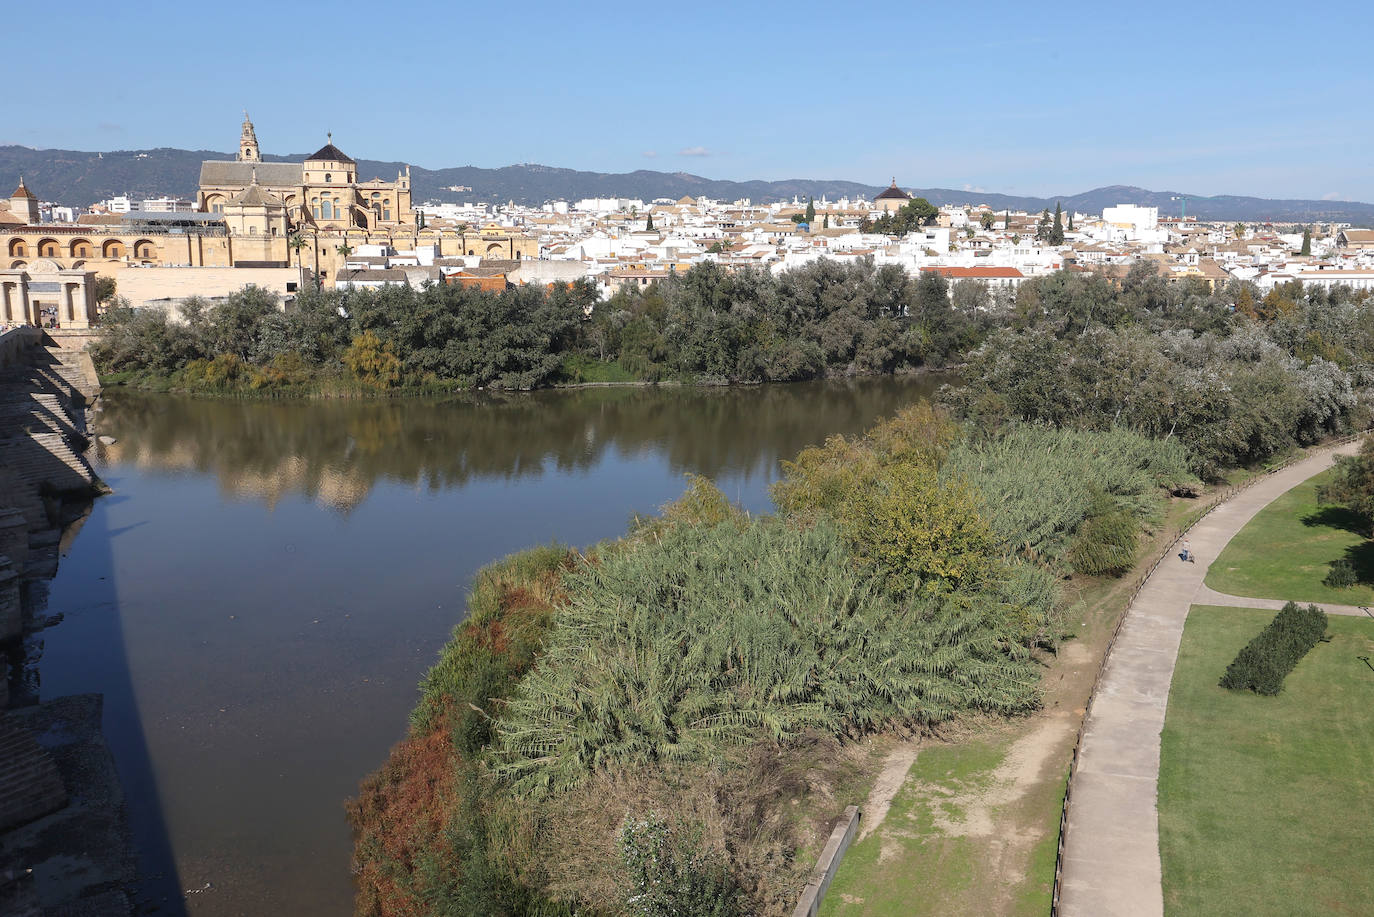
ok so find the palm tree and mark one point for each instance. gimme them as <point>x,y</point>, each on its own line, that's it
<point>296,242</point>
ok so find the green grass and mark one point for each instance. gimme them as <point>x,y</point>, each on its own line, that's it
<point>1266,804</point>
<point>1286,551</point>
<point>912,867</point>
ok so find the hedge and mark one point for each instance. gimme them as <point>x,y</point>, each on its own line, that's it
<point>1266,660</point>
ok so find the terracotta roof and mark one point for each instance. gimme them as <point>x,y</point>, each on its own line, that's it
<point>23,192</point>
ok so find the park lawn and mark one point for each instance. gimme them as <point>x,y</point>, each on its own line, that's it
<point>1266,804</point>
<point>1286,551</point>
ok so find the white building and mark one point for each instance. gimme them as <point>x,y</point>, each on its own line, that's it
<point>1132,216</point>
<point>166,205</point>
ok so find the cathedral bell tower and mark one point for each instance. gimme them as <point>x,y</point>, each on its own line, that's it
<point>248,142</point>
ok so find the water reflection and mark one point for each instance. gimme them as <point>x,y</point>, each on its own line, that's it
<point>336,451</point>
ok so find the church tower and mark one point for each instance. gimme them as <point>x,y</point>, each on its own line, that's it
<point>24,204</point>
<point>248,142</point>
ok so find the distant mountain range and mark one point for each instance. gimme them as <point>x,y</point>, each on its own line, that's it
<point>81,178</point>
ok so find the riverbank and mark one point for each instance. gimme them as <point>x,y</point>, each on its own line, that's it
<point>64,836</point>
<point>340,387</point>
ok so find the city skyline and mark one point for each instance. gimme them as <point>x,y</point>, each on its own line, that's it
<point>1006,100</point>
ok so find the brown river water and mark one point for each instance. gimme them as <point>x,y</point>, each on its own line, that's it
<point>260,595</point>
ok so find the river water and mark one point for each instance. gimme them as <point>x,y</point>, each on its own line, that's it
<point>260,595</point>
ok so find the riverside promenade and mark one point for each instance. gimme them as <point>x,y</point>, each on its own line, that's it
<point>1111,865</point>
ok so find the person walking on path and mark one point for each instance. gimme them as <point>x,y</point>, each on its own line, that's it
<point>1187,552</point>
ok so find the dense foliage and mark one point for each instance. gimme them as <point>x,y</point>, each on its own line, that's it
<point>1039,485</point>
<point>1237,378</point>
<point>714,635</point>
<point>669,874</point>
<point>706,324</point>
<point>1264,662</point>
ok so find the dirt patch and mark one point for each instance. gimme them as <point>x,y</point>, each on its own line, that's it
<point>972,811</point>
<point>889,782</point>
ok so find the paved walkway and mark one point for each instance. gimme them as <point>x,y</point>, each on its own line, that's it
<point>1206,595</point>
<point>1111,855</point>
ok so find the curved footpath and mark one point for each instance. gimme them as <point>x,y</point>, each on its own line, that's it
<point>1111,864</point>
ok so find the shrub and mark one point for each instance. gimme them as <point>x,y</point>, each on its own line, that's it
<point>1040,485</point>
<point>707,636</point>
<point>1341,575</point>
<point>670,875</point>
<point>1106,541</point>
<point>372,361</point>
<point>1265,661</point>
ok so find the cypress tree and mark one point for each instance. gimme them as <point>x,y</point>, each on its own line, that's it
<point>810,211</point>
<point>1070,227</point>
<point>1057,230</point>
<point>1306,240</point>
<point>826,223</point>
<point>1042,229</point>
<point>649,226</point>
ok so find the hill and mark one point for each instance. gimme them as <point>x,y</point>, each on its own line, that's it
<point>79,178</point>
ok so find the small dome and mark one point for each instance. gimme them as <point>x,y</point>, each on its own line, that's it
<point>893,193</point>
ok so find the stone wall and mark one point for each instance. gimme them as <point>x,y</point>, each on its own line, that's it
<point>14,344</point>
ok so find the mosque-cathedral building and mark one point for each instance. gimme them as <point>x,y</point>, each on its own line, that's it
<point>256,218</point>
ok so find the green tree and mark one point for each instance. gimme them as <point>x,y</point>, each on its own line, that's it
<point>1070,227</point>
<point>1006,220</point>
<point>1043,228</point>
<point>1056,236</point>
<point>1352,485</point>
<point>914,214</point>
<point>986,219</point>
<point>105,288</point>
<point>1239,230</point>
<point>826,222</point>
<point>810,211</point>
<point>1306,241</point>
<point>649,224</point>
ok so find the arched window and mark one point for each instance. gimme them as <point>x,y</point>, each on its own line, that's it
<point>376,195</point>
<point>328,177</point>
<point>386,210</point>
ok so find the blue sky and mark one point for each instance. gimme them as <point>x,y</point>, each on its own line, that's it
<point>1206,97</point>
